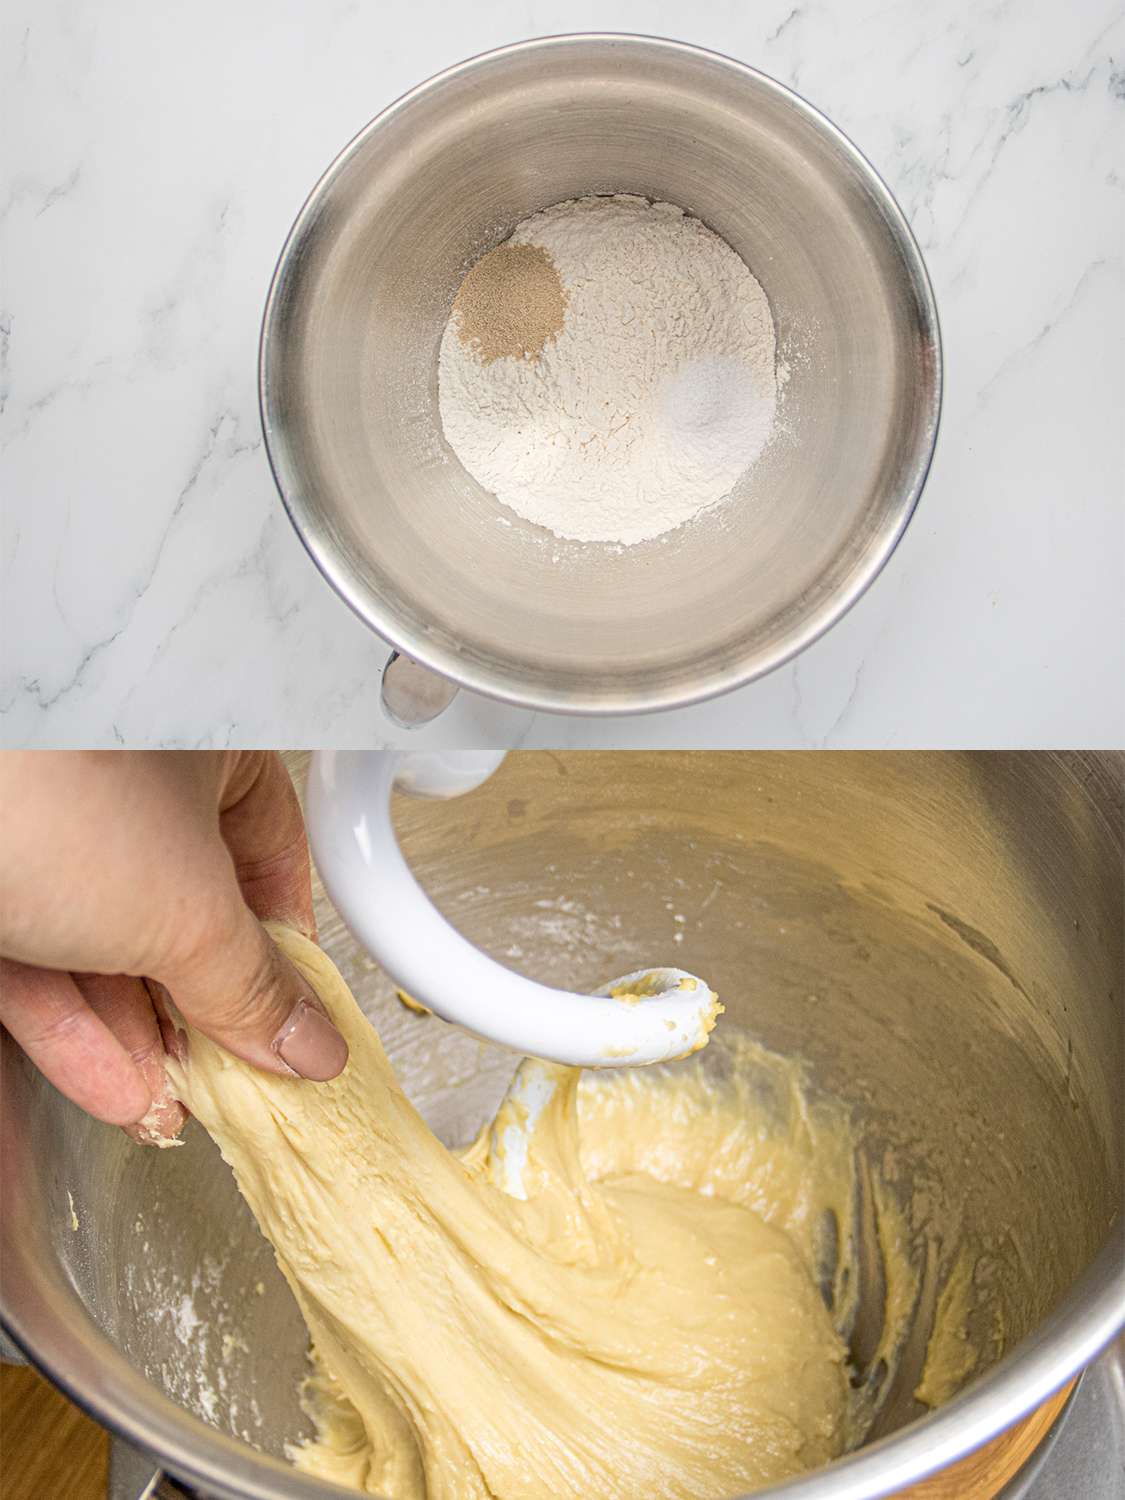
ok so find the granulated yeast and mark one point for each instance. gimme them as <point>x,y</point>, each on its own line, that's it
<point>510,304</point>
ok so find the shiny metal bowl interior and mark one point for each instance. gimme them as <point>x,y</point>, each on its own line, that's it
<point>349,375</point>
<point>940,936</point>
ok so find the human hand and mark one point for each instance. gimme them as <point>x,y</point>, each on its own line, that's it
<point>124,874</point>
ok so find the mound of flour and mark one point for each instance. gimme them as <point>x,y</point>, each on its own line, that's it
<point>649,404</point>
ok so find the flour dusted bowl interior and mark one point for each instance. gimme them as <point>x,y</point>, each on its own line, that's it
<point>939,937</point>
<point>363,293</point>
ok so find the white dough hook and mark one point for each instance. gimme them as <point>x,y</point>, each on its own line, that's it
<point>650,1016</point>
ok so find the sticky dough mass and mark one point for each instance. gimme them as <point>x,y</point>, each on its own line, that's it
<point>614,1335</point>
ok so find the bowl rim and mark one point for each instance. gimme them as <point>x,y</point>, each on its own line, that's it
<point>447,661</point>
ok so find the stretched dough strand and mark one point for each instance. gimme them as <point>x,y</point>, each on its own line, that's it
<point>605,1339</point>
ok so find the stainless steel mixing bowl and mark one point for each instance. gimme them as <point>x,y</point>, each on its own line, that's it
<point>939,935</point>
<point>349,375</point>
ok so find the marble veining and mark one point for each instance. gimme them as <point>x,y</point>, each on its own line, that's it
<point>151,588</point>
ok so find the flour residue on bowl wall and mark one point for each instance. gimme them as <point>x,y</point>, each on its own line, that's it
<point>609,372</point>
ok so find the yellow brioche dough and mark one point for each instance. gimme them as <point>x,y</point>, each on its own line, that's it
<point>614,1336</point>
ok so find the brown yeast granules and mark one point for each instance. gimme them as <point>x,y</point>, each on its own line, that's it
<point>511,303</point>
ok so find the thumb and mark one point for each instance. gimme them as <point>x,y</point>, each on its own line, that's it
<point>241,991</point>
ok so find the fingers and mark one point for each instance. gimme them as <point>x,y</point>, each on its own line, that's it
<point>179,854</point>
<point>125,1007</point>
<point>46,1014</point>
<point>239,990</point>
<point>237,987</point>
<point>261,823</point>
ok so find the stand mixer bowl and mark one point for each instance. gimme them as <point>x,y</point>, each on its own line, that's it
<point>425,555</point>
<point>939,936</point>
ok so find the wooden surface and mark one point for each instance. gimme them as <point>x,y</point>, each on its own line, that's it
<point>49,1450</point>
<point>984,1473</point>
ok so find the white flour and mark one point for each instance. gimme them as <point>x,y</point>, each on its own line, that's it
<point>652,402</point>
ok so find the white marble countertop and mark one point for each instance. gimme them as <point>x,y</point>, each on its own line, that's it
<point>153,592</point>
